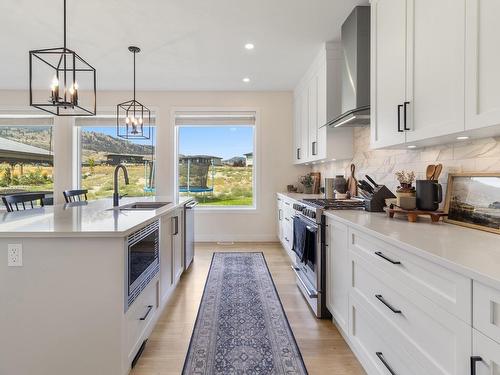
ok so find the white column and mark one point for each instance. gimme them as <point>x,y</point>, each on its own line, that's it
<point>63,156</point>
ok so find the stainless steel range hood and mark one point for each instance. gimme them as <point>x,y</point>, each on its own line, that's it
<point>355,70</point>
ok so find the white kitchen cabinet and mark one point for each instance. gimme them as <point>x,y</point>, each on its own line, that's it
<point>482,76</point>
<point>313,125</point>
<point>485,358</point>
<point>430,59</point>
<point>388,71</point>
<point>338,272</point>
<point>316,101</point>
<point>279,206</point>
<point>435,68</point>
<point>486,310</point>
<point>166,258</point>
<point>177,238</point>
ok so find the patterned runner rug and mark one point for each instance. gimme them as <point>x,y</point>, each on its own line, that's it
<point>241,327</point>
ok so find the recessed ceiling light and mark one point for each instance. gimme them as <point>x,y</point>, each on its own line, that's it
<point>412,146</point>
<point>462,137</point>
<point>246,80</point>
<point>249,46</point>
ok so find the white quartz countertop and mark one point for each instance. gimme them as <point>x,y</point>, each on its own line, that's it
<point>471,252</point>
<point>94,219</point>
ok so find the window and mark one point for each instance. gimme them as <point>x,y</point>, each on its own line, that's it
<point>216,161</point>
<point>101,150</point>
<point>26,157</point>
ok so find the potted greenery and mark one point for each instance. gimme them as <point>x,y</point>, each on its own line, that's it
<point>307,181</point>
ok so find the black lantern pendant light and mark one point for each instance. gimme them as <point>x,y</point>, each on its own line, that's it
<point>133,120</point>
<point>72,81</point>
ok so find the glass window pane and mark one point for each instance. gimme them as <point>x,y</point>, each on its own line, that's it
<point>102,150</point>
<point>216,165</point>
<point>26,159</point>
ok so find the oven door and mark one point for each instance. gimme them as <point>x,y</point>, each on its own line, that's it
<point>306,265</point>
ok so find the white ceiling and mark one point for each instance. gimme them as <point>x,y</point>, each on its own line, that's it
<point>186,44</point>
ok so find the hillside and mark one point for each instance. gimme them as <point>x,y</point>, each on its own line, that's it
<point>91,141</point>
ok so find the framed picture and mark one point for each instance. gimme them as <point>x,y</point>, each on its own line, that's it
<point>473,200</point>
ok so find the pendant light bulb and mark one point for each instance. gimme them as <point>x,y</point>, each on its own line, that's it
<point>55,82</point>
<point>140,120</point>
<point>127,120</point>
<point>75,85</point>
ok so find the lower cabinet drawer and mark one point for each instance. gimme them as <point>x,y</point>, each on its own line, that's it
<point>486,310</point>
<point>486,355</point>
<point>376,347</point>
<point>436,339</point>
<point>139,317</point>
<point>446,288</point>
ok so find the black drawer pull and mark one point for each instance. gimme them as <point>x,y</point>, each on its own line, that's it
<point>399,118</point>
<point>150,307</point>
<point>389,306</point>
<point>380,254</point>
<point>473,361</point>
<point>380,356</point>
<point>404,115</point>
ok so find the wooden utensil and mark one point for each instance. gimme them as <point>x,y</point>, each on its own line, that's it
<point>437,172</point>
<point>429,172</point>
<point>352,183</point>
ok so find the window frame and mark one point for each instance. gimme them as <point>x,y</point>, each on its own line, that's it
<point>77,145</point>
<point>19,113</point>
<point>255,207</point>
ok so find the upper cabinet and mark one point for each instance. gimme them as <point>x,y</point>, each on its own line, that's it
<point>388,75</point>
<point>429,59</point>
<point>317,99</point>
<point>482,62</point>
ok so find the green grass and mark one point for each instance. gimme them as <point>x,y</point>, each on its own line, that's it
<point>232,187</point>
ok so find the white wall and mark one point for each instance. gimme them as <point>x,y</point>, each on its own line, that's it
<point>274,147</point>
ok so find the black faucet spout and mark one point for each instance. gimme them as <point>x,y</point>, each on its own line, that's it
<point>116,194</point>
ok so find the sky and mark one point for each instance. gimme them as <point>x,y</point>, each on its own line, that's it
<point>222,141</point>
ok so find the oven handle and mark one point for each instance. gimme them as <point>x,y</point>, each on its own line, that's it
<point>310,293</point>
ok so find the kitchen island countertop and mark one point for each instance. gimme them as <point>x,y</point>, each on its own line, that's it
<point>90,219</point>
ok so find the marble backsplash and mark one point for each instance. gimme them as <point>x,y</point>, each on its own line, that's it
<point>480,155</point>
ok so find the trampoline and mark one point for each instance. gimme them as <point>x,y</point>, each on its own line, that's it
<point>193,174</point>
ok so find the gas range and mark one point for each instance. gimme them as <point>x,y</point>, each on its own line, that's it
<point>313,208</point>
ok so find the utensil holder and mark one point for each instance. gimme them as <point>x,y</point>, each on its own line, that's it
<point>376,202</point>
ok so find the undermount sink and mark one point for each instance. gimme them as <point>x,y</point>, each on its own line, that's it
<point>141,206</point>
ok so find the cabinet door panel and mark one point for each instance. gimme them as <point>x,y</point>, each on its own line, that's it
<point>322,110</point>
<point>304,126</point>
<point>435,68</point>
<point>340,273</point>
<point>313,118</point>
<point>388,49</point>
<point>482,75</point>
<point>297,134</point>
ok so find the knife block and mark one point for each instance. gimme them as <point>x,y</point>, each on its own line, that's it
<point>376,202</point>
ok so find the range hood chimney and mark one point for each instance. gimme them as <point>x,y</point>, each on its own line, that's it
<point>355,43</point>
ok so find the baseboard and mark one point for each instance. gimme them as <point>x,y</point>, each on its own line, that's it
<point>236,237</point>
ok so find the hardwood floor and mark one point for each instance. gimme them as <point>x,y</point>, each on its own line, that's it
<point>323,348</point>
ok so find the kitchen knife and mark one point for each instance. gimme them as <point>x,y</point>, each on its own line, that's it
<point>366,186</point>
<point>371,180</point>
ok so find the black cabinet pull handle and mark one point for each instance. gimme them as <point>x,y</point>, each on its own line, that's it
<point>380,356</point>
<point>404,115</point>
<point>150,307</point>
<point>314,151</point>
<point>380,254</point>
<point>176,225</point>
<point>473,361</point>
<point>298,153</point>
<point>389,306</point>
<point>399,118</point>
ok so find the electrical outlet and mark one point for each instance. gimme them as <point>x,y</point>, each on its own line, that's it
<point>15,255</point>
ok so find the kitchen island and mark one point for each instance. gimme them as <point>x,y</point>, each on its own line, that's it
<point>66,306</point>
